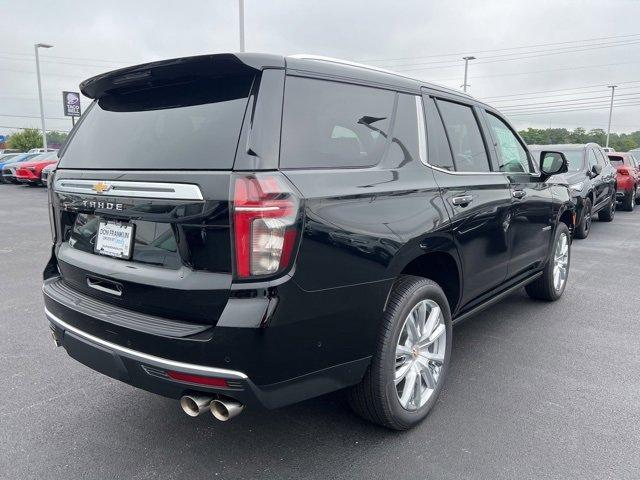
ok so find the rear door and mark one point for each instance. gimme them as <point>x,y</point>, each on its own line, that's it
<point>478,199</point>
<point>607,175</point>
<point>141,193</point>
<point>598,181</point>
<point>531,223</point>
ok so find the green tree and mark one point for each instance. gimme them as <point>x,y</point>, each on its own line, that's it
<point>26,140</point>
<point>56,138</point>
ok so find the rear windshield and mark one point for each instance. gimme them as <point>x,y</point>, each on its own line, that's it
<point>616,161</point>
<point>190,125</point>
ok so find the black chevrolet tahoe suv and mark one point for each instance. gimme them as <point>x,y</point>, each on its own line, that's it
<point>257,230</point>
<point>592,182</point>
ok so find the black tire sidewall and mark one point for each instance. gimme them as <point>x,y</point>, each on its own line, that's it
<point>562,228</point>
<point>586,208</point>
<point>424,290</point>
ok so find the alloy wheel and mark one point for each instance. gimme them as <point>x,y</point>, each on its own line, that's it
<point>561,262</point>
<point>420,354</point>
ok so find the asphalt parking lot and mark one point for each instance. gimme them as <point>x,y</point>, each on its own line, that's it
<point>535,390</point>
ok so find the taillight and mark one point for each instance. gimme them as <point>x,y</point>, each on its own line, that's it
<point>265,216</point>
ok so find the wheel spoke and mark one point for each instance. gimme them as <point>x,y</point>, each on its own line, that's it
<point>418,391</point>
<point>402,350</point>
<point>407,391</point>
<point>403,371</point>
<point>412,329</point>
<point>432,356</point>
<point>432,322</point>
<point>427,375</point>
<point>437,333</point>
<point>421,314</point>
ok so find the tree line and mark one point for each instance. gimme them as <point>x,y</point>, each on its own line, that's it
<point>29,138</point>
<point>620,142</point>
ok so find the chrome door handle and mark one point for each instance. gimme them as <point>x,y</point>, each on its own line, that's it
<point>462,200</point>
<point>518,193</point>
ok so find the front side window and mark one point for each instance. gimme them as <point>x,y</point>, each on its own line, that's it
<point>592,159</point>
<point>469,152</point>
<point>601,158</point>
<point>512,156</point>
<point>329,124</point>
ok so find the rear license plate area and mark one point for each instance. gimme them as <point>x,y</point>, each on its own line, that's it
<point>115,239</point>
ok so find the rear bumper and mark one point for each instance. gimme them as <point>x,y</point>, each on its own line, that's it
<point>624,183</point>
<point>149,372</point>
<point>101,341</point>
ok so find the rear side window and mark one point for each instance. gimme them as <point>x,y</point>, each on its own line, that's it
<point>512,156</point>
<point>332,125</point>
<point>408,142</point>
<point>469,152</point>
<point>439,151</point>
<point>191,125</point>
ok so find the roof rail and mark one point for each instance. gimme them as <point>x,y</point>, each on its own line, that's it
<point>304,56</point>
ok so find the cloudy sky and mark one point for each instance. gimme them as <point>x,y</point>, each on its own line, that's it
<point>542,63</point>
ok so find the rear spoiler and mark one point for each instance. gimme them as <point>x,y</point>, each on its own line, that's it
<point>166,72</point>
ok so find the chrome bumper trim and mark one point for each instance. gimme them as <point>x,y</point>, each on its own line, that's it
<point>145,357</point>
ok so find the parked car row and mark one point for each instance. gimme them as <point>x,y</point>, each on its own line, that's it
<point>27,167</point>
<point>598,181</point>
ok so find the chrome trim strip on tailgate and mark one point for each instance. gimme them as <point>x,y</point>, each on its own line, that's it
<point>145,357</point>
<point>119,188</point>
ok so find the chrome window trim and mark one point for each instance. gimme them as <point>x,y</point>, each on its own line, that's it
<point>119,188</point>
<point>422,130</point>
<point>145,357</point>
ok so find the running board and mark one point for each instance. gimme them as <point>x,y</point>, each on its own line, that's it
<point>495,299</point>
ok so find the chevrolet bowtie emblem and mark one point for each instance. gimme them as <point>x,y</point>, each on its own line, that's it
<point>101,187</point>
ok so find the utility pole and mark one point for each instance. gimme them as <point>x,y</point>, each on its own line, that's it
<point>466,70</point>
<point>241,20</point>
<point>613,89</point>
<point>44,132</point>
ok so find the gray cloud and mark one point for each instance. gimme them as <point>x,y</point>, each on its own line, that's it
<point>91,37</point>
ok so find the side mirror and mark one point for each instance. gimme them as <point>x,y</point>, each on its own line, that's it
<point>552,163</point>
<point>597,170</point>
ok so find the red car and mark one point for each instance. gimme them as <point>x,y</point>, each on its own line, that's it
<point>627,179</point>
<point>31,172</point>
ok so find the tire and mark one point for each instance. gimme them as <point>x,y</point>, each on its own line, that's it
<point>607,214</point>
<point>629,201</point>
<point>377,398</point>
<point>582,230</point>
<point>544,287</point>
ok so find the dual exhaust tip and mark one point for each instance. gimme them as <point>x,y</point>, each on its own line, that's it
<point>222,409</point>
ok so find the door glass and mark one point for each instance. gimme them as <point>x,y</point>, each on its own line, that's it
<point>439,151</point>
<point>512,156</point>
<point>469,152</point>
<point>593,161</point>
<point>600,157</point>
<point>329,124</point>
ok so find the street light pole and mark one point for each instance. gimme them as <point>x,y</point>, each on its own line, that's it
<point>613,89</point>
<point>44,132</point>
<point>466,69</point>
<point>241,20</point>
